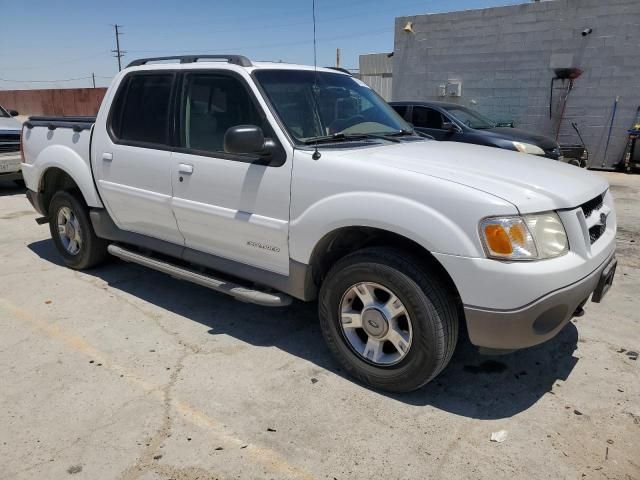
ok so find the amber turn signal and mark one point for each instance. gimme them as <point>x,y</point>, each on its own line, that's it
<point>498,239</point>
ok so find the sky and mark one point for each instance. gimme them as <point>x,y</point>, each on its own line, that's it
<point>51,44</point>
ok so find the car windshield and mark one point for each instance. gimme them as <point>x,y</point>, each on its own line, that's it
<point>470,118</point>
<point>4,113</point>
<point>327,104</point>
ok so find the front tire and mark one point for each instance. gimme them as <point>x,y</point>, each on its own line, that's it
<point>391,324</point>
<point>72,232</point>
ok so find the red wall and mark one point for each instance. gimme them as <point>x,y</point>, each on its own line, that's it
<point>67,101</point>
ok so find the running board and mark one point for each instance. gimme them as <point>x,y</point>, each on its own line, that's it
<point>239,292</point>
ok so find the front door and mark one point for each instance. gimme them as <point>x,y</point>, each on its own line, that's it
<point>228,205</point>
<point>132,158</point>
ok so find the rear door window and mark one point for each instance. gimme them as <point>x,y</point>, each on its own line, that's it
<point>142,108</point>
<point>424,117</point>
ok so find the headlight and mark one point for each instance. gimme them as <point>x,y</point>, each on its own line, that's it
<point>528,148</point>
<point>527,237</point>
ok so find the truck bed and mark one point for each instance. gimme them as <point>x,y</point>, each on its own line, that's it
<point>62,143</point>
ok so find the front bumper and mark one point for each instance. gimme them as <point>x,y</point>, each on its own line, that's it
<point>538,321</point>
<point>10,166</point>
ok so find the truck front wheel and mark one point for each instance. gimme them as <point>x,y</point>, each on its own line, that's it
<point>389,322</point>
<point>72,232</point>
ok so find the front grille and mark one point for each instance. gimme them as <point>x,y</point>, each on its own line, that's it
<point>9,137</point>
<point>9,147</point>
<point>596,232</point>
<point>592,205</point>
<point>9,142</point>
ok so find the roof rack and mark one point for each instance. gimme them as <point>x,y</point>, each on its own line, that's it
<point>234,59</point>
<point>340,69</point>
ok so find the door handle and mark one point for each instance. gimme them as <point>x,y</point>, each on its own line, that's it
<point>185,169</point>
<point>107,157</point>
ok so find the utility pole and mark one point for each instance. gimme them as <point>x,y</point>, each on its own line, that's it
<point>93,77</point>
<point>118,53</point>
<point>337,58</point>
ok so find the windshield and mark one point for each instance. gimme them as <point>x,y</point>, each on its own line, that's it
<point>470,118</point>
<point>4,113</point>
<point>341,105</point>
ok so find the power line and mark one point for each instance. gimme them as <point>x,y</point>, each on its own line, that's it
<point>63,62</point>
<point>280,44</point>
<point>291,22</point>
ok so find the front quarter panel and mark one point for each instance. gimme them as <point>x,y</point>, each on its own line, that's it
<point>342,190</point>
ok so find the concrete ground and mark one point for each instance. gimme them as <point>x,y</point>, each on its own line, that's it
<point>124,373</point>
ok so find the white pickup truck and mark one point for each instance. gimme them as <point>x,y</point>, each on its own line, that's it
<point>268,181</point>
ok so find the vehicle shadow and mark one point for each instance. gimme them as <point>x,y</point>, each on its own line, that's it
<point>11,188</point>
<point>472,385</point>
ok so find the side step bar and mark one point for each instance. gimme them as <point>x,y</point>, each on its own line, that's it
<point>244,294</point>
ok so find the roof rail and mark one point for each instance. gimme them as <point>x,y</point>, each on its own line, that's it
<point>235,59</point>
<point>340,69</point>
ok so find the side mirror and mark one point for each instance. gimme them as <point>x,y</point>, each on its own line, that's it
<point>450,127</point>
<point>247,139</point>
<point>13,113</point>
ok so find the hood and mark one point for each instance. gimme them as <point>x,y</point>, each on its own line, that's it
<point>531,183</point>
<point>10,123</point>
<point>516,135</point>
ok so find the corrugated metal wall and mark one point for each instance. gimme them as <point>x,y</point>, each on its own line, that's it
<point>67,101</point>
<point>376,71</point>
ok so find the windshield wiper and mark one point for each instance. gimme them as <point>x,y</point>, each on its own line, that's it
<point>337,137</point>
<point>401,133</point>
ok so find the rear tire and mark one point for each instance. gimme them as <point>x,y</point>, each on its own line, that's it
<point>72,232</point>
<point>409,319</point>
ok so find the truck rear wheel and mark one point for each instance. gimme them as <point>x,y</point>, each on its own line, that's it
<point>390,323</point>
<point>72,232</point>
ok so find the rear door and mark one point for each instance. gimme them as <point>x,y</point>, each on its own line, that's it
<point>231,206</point>
<point>132,157</point>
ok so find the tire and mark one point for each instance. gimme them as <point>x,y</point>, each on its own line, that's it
<point>430,324</point>
<point>20,183</point>
<point>90,250</point>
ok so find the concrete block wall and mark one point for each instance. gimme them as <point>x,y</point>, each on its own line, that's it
<point>504,58</point>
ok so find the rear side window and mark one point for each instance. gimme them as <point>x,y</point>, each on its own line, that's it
<point>141,110</point>
<point>424,117</point>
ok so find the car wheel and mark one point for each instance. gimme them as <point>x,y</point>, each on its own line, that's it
<point>72,232</point>
<point>392,324</point>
